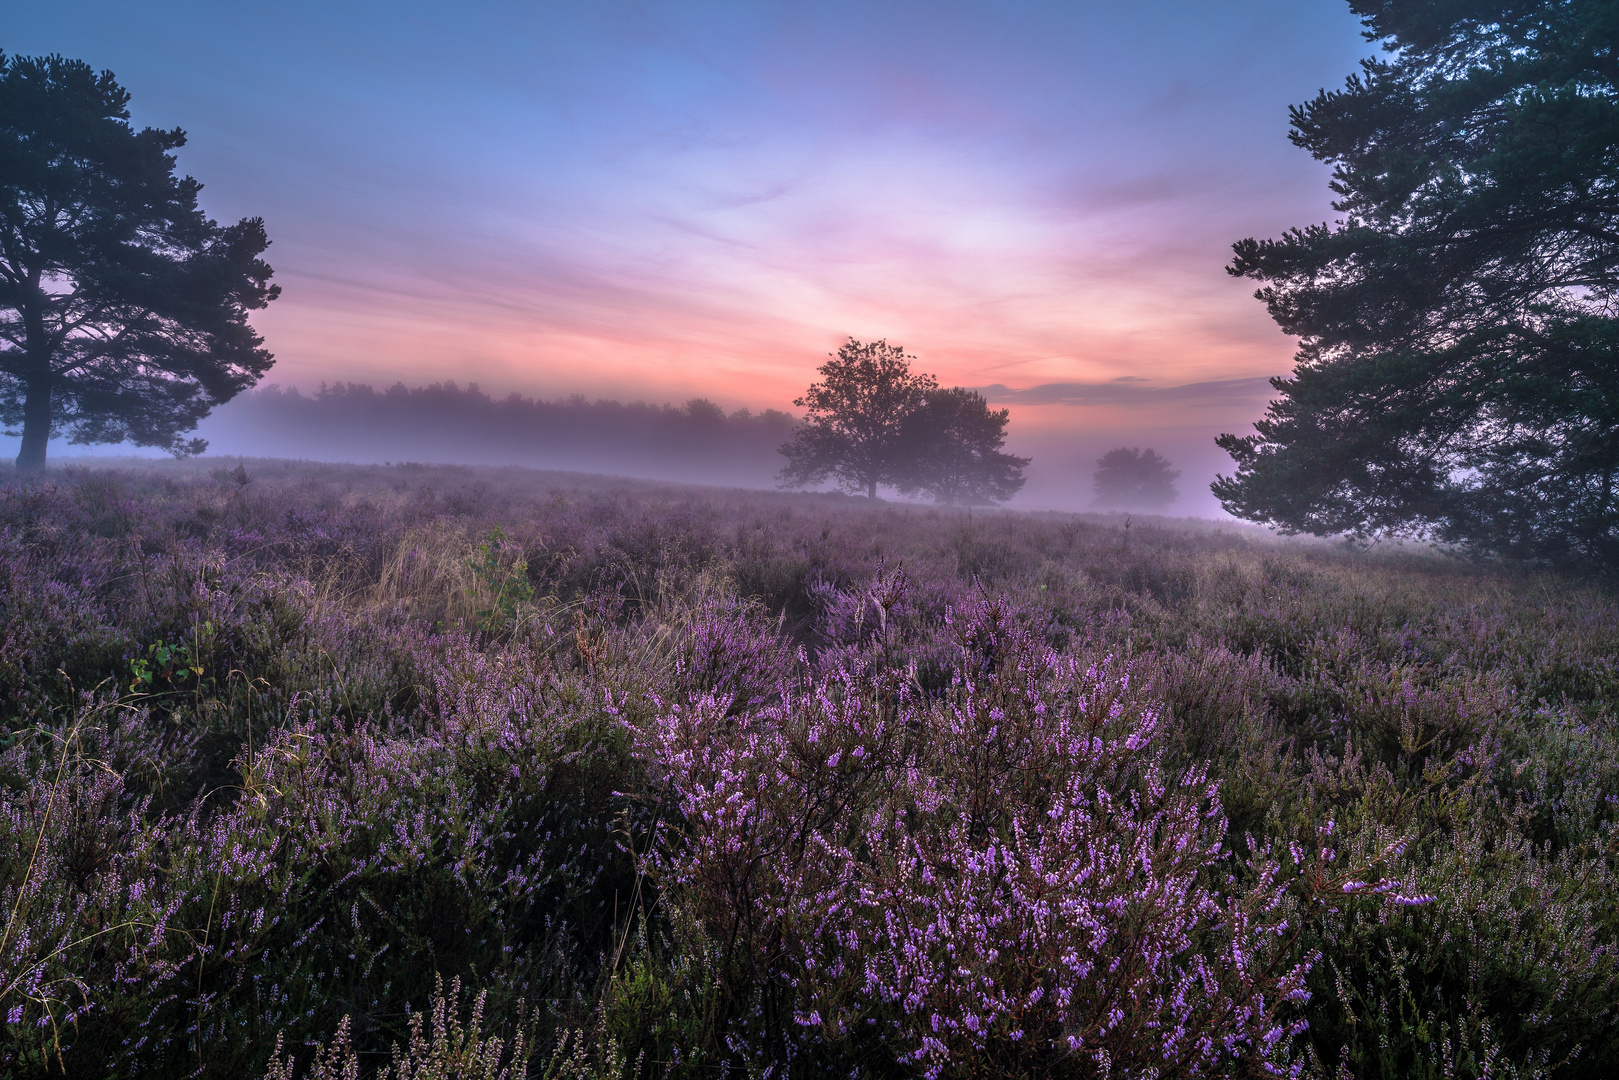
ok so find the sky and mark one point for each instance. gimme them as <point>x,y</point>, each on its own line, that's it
<point>663,200</point>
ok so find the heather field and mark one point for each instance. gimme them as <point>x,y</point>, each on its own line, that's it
<point>327,770</point>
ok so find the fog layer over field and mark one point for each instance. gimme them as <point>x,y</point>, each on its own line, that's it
<point>696,441</point>
<point>1064,428</point>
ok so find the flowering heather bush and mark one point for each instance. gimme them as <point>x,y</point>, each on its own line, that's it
<point>1004,879</point>
<point>350,866</point>
<point>683,783</point>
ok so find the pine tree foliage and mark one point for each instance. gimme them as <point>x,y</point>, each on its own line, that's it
<point>1458,372</point>
<point>123,308</point>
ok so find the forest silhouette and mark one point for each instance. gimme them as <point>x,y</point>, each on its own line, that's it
<point>447,422</point>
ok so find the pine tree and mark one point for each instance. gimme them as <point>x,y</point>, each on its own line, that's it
<point>123,308</point>
<point>1458,369</point>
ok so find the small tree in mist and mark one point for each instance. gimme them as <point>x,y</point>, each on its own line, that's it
<point>951,450</point>
<point>854,428</point>
<point>1132,479</point>
<point>123,308</point>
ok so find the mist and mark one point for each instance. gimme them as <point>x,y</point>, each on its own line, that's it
<point>696,442</point>
<point>445,423</point>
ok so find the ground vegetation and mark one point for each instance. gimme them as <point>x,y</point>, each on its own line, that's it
<point>320,770</point>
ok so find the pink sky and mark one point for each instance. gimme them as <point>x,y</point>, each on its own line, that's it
<point>664,200</point>
<point>985,283</point>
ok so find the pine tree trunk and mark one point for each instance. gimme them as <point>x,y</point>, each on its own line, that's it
<point>36,407</point>
<point>871,489</point>
<point>36,426</point>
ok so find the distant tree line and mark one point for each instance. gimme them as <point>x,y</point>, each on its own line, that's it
<point>696,441</point>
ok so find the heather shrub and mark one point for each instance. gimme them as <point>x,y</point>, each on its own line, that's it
<point>1001,881</point>
<point>440,1047</point>
<point>49,628</point>
<point>1511,967</point>
<point>349,866</point>
<point>680,782</point>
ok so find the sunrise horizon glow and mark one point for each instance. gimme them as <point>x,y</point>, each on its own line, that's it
<point>664,201</point>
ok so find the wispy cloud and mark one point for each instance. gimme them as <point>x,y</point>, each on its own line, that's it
<point>1137,392</point>
<point>626,199</point>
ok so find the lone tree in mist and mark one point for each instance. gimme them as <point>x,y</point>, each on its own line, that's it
<point>1131,479</point>
<point>872,421</point>
<point>123,309</point>
<point>950,448</point>
<point>1458,373</point>
<point>853,430</point>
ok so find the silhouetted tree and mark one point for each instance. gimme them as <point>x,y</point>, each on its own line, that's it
<point>1133,479</point>
<point>1458,373</point>
<point>853,429</point>
<point>705,413</point>
<point>951,449</point>
<point>123,309</point>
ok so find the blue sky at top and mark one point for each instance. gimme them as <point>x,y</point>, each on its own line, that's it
<point>666,199</point>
